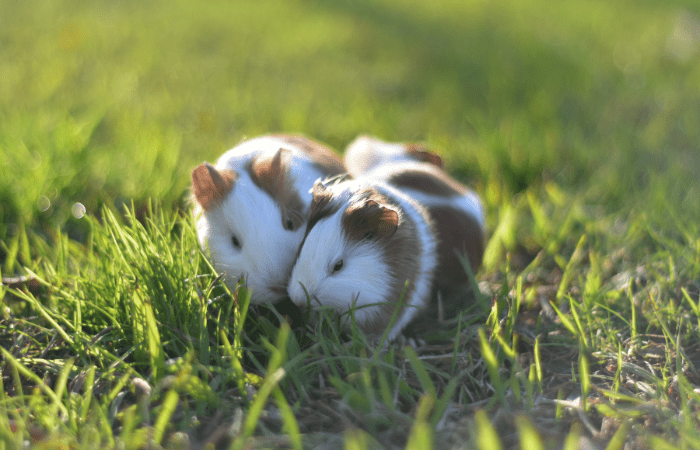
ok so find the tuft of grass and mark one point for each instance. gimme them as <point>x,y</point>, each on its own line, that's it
<point>142,365</point>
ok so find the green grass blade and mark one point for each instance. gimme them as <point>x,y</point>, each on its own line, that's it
<point>289,422</point>
<point>59,389</point>
<point>421,372</point>
<point>492,365</point>
<point>89,384</point>
<point>167,409</point>
<point>585,377</point>
<point>486,435</point>
<point>421,435</point>
<point>573,439</point>
<point>619,438</point>
<point>529,437</point>
<point>538,363</point>
<point>394,316</point>
<point>565,321</point>
<point>274,375</point>
<point>146,332</point>
<point>444,400</point>
<point>569,269</point>
<point>235,364</point>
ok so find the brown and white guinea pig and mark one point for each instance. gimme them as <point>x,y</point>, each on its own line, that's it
<point>402,219</point>
<point>252,208</point>
<point>363,241</point>
<point>455,209</point>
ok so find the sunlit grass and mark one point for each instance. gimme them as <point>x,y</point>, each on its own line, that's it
<point>578,126</point>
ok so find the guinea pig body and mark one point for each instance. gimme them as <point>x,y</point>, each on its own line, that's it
<point>366,153</point>
<point>364,241</point>
<point>458,223</point>
<point>443,224</point>
<point>455,210</point>
<point>252,208</point>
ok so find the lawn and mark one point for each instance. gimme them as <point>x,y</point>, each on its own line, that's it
<point>578,124</point>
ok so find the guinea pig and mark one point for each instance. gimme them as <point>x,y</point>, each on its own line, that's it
<point>363,241</point>
<point>455,210</point>
<point>251,208</point>
<point>444,222</point>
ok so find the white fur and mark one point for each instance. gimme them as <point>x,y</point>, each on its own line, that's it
<point>303,169</point>
<point>469,202</point>
<point>365,276</point>
<point>365,153</point>
<point>268,250</point>
<point>374,158</point>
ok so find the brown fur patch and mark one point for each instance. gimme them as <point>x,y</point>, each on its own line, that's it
<point>272,175</point>
<point>369,218</point>
<point>428,179</point>
<point>419,153</point>
<point>325,159</point>
<point>401,252</point>
<point>322,205</point>
<point>210,186</point>
<point>457,233</point>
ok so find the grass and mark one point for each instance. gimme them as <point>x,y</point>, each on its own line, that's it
<point>578,126</point>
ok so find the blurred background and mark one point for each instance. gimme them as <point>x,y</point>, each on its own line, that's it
<point>105,102</point>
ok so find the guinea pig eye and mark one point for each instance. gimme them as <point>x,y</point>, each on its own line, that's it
<point>338,266</point>
<point>236,243</point>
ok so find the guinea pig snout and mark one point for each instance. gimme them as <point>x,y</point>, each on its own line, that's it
<point>301,297</point>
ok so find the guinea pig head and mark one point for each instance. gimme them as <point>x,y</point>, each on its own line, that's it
<point>342,260</point>
<point>251,220</point>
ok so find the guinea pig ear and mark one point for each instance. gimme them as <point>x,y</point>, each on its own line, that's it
<point>421,154</point>
<point>269,172</point>
<point>319,187</point>
<point>320,202</point>
<point>335,179</point>
<point>210,185</point>
<point>370,219</point>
